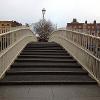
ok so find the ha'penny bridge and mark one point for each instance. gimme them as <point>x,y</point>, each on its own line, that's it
<point>67,67</point>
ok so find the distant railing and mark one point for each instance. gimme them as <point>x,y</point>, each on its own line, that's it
<point>83,47</point>
<point>7,29</point>
<point>11,44</point>
<point>97,34</point>
<point>3,30</point>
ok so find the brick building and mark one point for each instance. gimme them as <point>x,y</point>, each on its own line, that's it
<point>90,28</point>
<point>6,25</point>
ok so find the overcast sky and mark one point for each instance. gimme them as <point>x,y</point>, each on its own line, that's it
<point>58,11</point>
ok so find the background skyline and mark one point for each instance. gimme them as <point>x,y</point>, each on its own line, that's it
<point>59,12</point>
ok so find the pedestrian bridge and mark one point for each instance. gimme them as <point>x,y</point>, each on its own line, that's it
<point>83,48</point>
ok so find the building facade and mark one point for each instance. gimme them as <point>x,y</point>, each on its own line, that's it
<point>90,28</point>
<point>6,25</point>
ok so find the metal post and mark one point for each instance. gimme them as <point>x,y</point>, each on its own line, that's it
<point>43,12</point>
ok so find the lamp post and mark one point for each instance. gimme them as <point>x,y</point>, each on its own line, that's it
<point>43,12</point>
<point>43,23</point>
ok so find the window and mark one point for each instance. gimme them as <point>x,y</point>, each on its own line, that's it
<point>88,27</point>
<point>2,24</point>
<point>7,24</point>
<point>74,26</point>
<point>92,27</point>
<point>80,27</point>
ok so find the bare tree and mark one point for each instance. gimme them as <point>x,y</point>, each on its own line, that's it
<point>43,28</point>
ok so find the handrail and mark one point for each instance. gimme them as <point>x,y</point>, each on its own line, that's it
<point>88,42</point>
<point>7,29</point>
<point>10,37</point>
<point>83,47</point>
<point>11,44</point>
<point>84,32</point>
<point>84,43</point>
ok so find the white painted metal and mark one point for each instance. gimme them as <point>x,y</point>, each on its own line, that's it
<point>7,29</point>
<point>11,44</point>
<point>83,47</point>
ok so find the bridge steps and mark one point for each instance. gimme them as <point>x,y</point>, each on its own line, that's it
<point>46,56</point>
<point>45,70</point>
<point>45,63</point>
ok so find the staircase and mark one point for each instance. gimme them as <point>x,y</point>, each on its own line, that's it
<point>45,63</point>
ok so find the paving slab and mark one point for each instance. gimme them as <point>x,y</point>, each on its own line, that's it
<point>50,92</point>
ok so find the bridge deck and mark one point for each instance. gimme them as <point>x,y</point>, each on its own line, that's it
<point>45,66</point>
<point>50,92</point>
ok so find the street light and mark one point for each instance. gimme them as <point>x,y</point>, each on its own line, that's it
<point>43,12</point>
<point>43,24</point>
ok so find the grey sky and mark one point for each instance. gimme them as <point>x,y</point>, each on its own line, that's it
<point>58,11</point>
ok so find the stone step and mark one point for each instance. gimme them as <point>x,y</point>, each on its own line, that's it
<point>43,48</point>
<point>43,53</point>
<point>47,71</point>
<point>46,56</point>
<point>41,45</point>
<point>46,79</point>
<point>39,60</point>
<point>46,64</point>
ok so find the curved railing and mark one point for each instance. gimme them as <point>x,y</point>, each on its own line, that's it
<point>11,44</point>
<point>7,29</point>
<point>83,47</point>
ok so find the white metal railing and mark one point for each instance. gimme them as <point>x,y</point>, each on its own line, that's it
<point>7,29</point>
<point>11,36</point>
<point>3,30</point>
<point>97,34</point>
<point>11,44</point>
<point>83,47</point>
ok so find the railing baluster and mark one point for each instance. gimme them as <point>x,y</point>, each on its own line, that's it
<point>84,47</point>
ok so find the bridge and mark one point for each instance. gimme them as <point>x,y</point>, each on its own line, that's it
<point>67,67</point>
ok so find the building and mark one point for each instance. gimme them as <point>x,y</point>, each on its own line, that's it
<point>90,28</point>
<point>6,25</point>
<point>75,25</point>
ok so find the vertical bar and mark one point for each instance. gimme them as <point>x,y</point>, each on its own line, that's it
<point>0,44</point>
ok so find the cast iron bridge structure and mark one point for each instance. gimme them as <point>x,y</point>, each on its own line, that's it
<point>67,67</point>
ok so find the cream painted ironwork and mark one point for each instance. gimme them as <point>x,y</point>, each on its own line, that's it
<point>7,29</point>
<point>83,47</point>
<point>11,44</point>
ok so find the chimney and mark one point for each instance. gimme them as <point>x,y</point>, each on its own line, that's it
<point>74,20</point>
<point>94,21</point>
<point>86,22</point>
